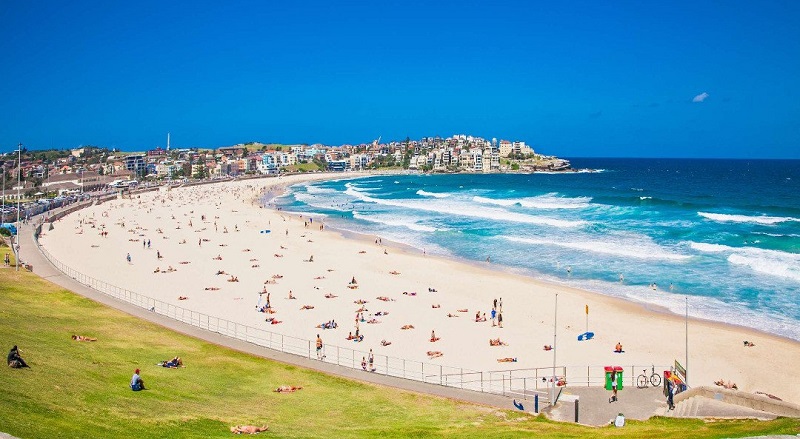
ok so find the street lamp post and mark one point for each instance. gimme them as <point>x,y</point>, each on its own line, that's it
<point>555,328</point>
<point>19,182</point>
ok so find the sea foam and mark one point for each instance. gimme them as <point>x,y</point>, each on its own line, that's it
<point>638,250</point>
<point>766,220</point>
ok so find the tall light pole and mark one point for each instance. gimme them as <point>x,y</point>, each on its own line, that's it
<point>19,182</point>
<point>686,331</point>
<point>555,328</point>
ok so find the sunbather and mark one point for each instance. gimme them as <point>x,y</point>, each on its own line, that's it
<point>82,338</point>
<point>287,389</point>
<point>248,429</point>
<point>507,360</point>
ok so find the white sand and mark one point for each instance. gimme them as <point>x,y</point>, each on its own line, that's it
<point>649,337</point>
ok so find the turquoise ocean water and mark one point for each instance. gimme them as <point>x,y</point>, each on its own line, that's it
<point>725,233</point>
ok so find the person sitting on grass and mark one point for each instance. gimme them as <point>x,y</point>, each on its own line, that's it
<point>15,360</point>
<point>136,381</point>
<point>248,429</point>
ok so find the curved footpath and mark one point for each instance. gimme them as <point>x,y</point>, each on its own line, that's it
<point>639,404</point>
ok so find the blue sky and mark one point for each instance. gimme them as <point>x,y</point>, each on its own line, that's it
<point>577,79</point>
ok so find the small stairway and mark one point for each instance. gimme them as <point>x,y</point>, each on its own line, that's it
<point>702,407</point>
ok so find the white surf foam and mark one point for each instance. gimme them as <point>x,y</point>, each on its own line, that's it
<point>727,218</point>
<point>442,206</point>
<point>319,190</point>
<point>634,248</point>
<point>433,194</point>
<point>546,201</point>
<point>764,261</point>
<point>396,222</point>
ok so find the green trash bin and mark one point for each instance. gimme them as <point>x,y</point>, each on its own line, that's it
<point>609,370</point>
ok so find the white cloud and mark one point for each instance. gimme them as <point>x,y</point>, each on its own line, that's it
<point>700,98</point>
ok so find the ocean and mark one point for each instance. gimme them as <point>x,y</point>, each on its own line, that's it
<point>724,233</point>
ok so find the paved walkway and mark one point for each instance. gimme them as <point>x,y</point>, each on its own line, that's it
<point>594,408</point>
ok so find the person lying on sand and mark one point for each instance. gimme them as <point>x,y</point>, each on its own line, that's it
<point>407,327</point>
<point>352,287</point>
<point>277,255</point>
<point>362,252</point>
<point>384,298</point>
<point>287,389</point>
<point>362,309</point>
<point>507,360</point>
<point>749,344</point>
<point>497,342</point>
<point>157,270</point>
<point>246,250</point>
<point>319,277</point>
<point>82,338</point>
<point>184,262</point>
<point>452,315</point>
<point>233,279</point>
<point>373,321</point>
<point>434,306</point>
<point>254,266</point>
<point>548,347</point>
<point>385,343</point>
<point>248,429</point>
<point>394,272</point>
<point>331,296</point>
<point>728,385</point>
<point>212,288</point>
<point>382,313</point>
<point>307,307</point>
<point>182,297</point>
<point>221,272</point>
<point>170,269</point>
<point>273,321</point>
<point>277,276</point>
<point>414,293</point>
<point>360,301</point>
<point>435,354</point>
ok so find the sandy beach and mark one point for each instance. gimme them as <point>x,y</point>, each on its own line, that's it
<point>214,249</point>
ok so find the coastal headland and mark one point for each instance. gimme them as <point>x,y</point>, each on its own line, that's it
<point>214,249</point>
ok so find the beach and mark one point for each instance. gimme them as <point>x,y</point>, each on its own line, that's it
<point>214,249</point>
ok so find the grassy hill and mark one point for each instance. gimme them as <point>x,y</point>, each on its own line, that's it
<point>80,389</point>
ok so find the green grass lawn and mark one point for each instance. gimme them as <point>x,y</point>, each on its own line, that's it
<point>80,389</point>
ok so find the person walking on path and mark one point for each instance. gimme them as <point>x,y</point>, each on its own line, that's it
<point>672,389</point>
<point>371,361</point>
<point>614,385</point>
<point>319,348</point>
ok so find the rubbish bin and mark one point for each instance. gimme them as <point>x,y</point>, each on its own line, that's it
<point>618,370</point>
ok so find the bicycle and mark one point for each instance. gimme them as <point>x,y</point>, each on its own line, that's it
<point>642,380</point>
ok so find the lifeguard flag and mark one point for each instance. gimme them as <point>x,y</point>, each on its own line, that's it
<point>587,310</point>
